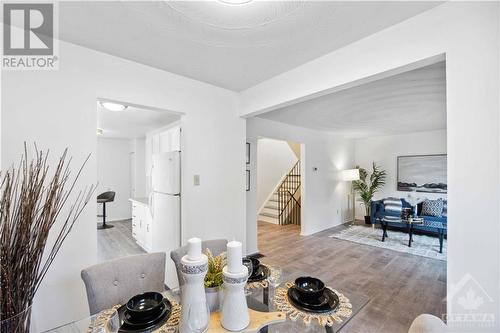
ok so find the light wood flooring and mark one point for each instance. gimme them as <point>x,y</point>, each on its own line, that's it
<point>116,242</point>
<point>400,286</point>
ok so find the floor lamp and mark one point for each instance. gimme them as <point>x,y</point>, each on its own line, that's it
<point>351,175</point>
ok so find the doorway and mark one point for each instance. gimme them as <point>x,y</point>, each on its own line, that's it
<point>127,136</point>
<point>279,188</point>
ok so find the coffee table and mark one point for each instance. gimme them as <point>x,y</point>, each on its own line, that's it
<point>410,227</point>
<point>410,223</point>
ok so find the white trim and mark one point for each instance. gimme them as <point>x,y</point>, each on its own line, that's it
<point>164,128</point>
<point>114,219</point>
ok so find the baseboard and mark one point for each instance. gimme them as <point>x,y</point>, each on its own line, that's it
<point>115,219</point>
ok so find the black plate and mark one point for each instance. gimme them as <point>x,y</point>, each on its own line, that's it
<point>327,302</point>
<point>261,274</point>
<point>128,327</point>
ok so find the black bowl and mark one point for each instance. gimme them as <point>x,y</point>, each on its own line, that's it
<point>145,305</point>
<point>309,287</point>
<point>255,264</point>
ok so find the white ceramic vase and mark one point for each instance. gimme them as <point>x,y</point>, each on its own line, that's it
<point>235,315</point>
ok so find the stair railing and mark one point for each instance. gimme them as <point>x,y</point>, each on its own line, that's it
<point>288,205</point>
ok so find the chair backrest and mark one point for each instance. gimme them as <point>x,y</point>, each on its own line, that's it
<point>108,196</point>
<point>216,246</point>
<point>116,281</point>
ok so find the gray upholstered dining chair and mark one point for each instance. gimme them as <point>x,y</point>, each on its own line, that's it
<point>116,281</point>
<point>217,246</point>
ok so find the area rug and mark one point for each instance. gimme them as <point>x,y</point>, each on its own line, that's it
<point>425,246</point>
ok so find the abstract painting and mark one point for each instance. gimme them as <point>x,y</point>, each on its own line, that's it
<point>423,173</point>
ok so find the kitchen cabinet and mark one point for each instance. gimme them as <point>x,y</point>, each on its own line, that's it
<point>142,224</point>
<point>170,140</point>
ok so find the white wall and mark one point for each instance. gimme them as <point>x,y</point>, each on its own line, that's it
<point>468,34</point>
<point>384,150</point>
<point>324,197</point>
<point>57,110</point>
<point>113,174</point>
<point>275,159</point>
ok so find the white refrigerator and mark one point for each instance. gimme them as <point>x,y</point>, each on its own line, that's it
<point>165,206</point>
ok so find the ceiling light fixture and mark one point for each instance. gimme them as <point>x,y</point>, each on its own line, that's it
<point>235,2</point>
<point>99,131</point>
<point>113,106</point>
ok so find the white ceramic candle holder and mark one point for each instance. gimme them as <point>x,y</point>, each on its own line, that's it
<point>235,315</point>
<point>193,291</point>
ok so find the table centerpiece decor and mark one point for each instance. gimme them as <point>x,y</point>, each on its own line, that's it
<point>213,279</point>
<point>235,315</point>
<point>194,267</point>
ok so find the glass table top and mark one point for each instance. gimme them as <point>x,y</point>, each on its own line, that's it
<point>256,301</point>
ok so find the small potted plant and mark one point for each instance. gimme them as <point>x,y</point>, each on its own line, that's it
<point>368,187</point>
<point>213,279</point>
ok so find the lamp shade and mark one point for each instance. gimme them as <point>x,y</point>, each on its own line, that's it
<point>350,175</point>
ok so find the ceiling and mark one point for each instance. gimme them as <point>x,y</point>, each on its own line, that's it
<point>131,123</point>
<point>230,46</point>
<point>413,101</point>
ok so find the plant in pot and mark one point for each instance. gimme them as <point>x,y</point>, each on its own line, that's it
<point>368,186</point>
<point>213,279</point>
<point>34,201</point>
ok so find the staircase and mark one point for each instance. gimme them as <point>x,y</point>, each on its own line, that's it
<point>284,205</point>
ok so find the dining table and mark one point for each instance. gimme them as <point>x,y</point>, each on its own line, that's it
<point>260,299</point>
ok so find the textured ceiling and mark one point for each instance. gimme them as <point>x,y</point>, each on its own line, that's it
<point>234,47</point>
<point>132,122</point>
<point>413,101</point>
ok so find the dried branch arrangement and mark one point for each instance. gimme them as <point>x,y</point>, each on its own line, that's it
<point>32,199</point>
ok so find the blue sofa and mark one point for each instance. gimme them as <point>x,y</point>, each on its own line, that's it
<point>435,225</point>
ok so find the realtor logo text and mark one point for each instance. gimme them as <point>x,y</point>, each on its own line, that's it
<point>28,38</point>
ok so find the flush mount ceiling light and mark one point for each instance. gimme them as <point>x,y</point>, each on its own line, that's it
<point>235,2</point>
<point>99,131</point>
<point>113,106</point>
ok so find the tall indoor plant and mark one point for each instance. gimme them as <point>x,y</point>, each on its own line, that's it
<point>32,199</point>
<point>368,186</point>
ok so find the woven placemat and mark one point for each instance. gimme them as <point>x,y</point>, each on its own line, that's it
<point>261,284</point>
<point>170,326</point>
<point>282,303</point>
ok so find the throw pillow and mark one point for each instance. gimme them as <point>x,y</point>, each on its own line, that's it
<point>393,206</point>
<point>432,207</point>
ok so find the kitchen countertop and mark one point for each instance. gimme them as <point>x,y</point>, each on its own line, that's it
<point>142,201</point>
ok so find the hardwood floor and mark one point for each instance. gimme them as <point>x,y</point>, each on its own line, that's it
<point>400,286</point>
<point>116,242</point>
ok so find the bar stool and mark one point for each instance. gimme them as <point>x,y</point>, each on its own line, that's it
<point>103,198</point>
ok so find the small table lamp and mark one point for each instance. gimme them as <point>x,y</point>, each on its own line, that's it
<point>351,175</point>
